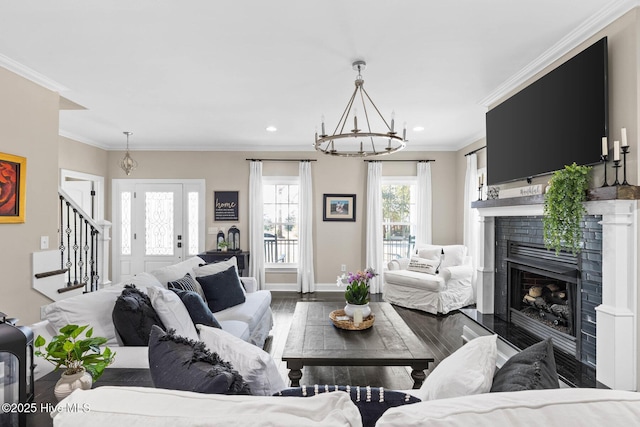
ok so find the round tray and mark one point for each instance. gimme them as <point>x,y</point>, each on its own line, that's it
<point>348,324</point>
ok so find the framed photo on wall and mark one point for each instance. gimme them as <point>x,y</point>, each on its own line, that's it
<point>13,183</point>
<point>339,207</point>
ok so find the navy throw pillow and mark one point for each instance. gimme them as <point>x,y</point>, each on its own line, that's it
<point>198,309</point>
<point>133,316</point>
<point>372,402</point>
<point>222,290</point>
<point>178,363</point>
<point>534,368</point>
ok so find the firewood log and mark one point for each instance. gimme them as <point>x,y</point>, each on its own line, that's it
<point>535,291</point>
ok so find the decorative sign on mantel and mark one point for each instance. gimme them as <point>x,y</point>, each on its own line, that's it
<point>225,206</point>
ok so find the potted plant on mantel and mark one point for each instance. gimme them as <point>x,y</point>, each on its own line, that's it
<point>564,209</point>
<point>81,358</point>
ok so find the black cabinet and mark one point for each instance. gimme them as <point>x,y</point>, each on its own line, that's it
<point>217,256</point>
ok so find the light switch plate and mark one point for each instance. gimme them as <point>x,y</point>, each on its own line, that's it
<point>44,242</point>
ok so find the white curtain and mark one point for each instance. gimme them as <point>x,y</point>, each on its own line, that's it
<point>256,226</point>
<point>306,279</point>
<point>424,204</point>
<point>374,225</point>
<point>471,216</point>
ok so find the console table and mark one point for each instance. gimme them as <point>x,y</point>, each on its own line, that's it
<point>217,256</point>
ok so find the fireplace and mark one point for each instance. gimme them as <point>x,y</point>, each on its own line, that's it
<point>542,294</point>
<point>608,298</point>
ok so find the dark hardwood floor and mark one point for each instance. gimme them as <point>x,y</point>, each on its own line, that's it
<point>442,334</point>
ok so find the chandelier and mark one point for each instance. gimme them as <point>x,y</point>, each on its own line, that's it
<point>127,163</point>
<point>359,142</point>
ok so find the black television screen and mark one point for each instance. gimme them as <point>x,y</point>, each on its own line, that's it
<point>557,120</point>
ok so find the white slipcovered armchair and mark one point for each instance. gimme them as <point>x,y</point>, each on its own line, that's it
<point>437,279</point>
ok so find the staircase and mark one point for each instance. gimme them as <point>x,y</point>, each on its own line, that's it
<point>80,264</point>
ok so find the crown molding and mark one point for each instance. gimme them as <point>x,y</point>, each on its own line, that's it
<point>30,74</point>
<point>65,134</point>
<point>591,26</point>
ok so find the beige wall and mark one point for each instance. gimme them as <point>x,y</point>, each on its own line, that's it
<point>28,128</point>
<point>336,243</point>
<point>79,157</point>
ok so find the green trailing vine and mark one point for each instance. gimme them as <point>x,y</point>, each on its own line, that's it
<point>564,209</point>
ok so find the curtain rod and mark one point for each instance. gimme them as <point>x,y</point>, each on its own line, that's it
<point>419,161</point>
<point>475,151</point>
<point>282,160</point>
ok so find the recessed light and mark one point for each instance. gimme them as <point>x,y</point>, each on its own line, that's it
<point>271,129</point>
<point>418,129</point>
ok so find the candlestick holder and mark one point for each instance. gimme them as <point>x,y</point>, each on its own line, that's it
<point>603,159</point>
<point>480,192</point>
<point>625,150</point>
<point>616,165</point>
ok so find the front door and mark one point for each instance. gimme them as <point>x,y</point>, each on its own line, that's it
<point>154,226</point>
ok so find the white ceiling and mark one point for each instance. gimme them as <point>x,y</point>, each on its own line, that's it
<point>212,75</point>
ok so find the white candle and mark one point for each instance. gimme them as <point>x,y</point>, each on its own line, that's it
<point>404,132</point>
<point>357,316</point>
<point>323,125</point>
<point>393,120</point>
<point>616,150</point>
<point>605,146</point>
<point>624,137</point>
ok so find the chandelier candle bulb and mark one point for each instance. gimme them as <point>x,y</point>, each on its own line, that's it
<point>393,120</point>
<point>404,132</point>
<point>624,137</point>
<point>605,147</point>
<point>322,118</point>
<point>616,150</point>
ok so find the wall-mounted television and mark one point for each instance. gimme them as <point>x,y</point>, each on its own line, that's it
<point>555,121</point>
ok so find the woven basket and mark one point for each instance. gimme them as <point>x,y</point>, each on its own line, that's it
<point>348,324</point>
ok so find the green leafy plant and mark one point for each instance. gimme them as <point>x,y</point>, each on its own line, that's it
<point>222,245</point>
<point>74,354</point>
<point>564,209</point>
<point>357,291</point>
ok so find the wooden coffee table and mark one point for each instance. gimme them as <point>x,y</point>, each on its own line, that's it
<point>314,341</point>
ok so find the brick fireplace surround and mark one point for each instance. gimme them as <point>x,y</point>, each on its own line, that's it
<point>616,316</point>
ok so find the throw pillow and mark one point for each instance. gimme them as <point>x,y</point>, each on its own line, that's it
<point>372,402</point>
<point>216,267</point>
<point>176,271</point>
<point>469,370</point>
<point>534,368</point>
<point>177,363</point>
<point>254,364</point>
<point>422,265</point>
<point>133,316</point>
<point>187,283</point>
<point>222,290</point>
<point>172,312</point>
<point>198,309</point>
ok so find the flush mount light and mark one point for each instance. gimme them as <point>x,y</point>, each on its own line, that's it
<point>361,142</point>
<point>418,129</point>
<point>271,129</point>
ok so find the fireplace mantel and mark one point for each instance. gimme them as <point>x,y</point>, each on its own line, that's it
<point>616,347</point>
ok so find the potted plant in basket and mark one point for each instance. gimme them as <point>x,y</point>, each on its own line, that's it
<point>223,246</point>
<point>357,291</point>
<point>82,359</point>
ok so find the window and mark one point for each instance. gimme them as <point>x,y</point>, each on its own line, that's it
<point>280,210</point>
<point>398,216</point>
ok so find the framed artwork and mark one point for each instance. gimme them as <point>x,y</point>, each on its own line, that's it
<point>13,196</point>
<point>225,206</point>
<point>339,207</point>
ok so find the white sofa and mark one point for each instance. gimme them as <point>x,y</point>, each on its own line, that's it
<point>449,289</point>
<point>250,321</point>
<point>110,406</point>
